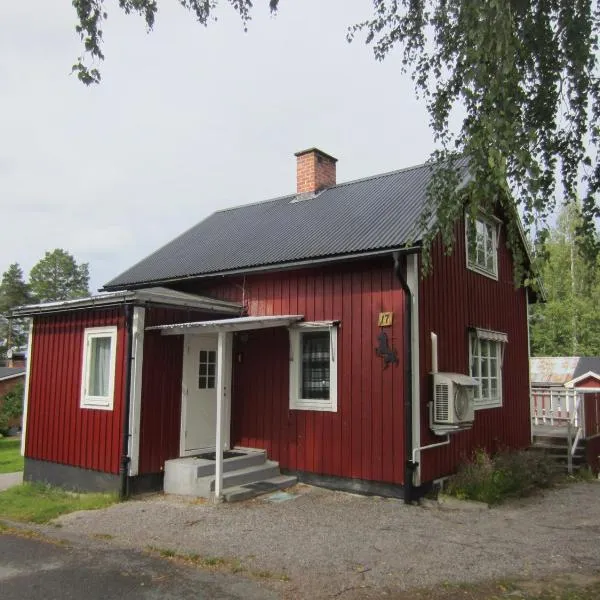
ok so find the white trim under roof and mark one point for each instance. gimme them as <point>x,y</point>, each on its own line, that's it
<point>155,295</point>
<point>237,324</point>
<point>573,382</point>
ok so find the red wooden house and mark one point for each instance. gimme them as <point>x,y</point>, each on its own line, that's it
<point>294,334</point>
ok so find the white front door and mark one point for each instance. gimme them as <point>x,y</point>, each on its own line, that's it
<point>199,398</point>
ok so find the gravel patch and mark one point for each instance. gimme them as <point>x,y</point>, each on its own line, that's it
<point>334,544</point>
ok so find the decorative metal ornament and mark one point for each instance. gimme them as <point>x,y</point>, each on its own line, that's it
<point>389,355</point>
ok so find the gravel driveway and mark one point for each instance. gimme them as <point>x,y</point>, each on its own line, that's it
<point>334,544</point>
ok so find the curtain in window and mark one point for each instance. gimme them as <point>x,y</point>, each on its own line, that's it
<point>99,366</point>
<point>315,365</point>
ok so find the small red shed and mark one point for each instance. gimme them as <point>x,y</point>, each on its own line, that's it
<point>292,335</point>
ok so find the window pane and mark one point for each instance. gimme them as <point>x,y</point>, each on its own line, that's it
<point>99,372</point>
<point>207,366</point>
<point>494,388</point>
<point>315,365</point>
<point>484,356</point>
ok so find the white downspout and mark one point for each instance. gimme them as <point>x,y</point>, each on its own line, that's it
<point>135,402</point>
<point>221,391</point>
<point>412,280</point>
<point>434,369</point>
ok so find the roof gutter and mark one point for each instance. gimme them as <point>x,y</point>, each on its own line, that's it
<point>409,464</point>
<point>285,266</point>
<point>32,310</point>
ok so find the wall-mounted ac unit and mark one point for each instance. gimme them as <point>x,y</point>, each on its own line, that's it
<point>453,399</point>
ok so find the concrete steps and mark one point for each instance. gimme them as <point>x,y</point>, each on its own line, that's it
<point>246,473</point>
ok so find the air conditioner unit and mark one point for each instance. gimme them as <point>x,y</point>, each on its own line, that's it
<point>453,399</point>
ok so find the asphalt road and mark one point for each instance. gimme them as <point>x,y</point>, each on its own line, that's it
<point>32,569</point>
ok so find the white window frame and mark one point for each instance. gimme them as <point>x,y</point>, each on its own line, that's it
<point>296,401</point>
<point>98,402</point>
<point>499,340</point>
<point>494,225</point>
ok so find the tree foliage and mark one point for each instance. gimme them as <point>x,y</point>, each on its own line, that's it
<point>13,292</point>
<point>520,77</point>
<point>568,324</point>
<point>11,406</point>
<point>57,276</point>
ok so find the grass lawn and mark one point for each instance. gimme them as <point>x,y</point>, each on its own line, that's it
<point>11,460</point>
<point>38,503</point>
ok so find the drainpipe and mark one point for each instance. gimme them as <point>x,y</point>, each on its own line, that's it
<point>124,468</point>
<point>410,465</point>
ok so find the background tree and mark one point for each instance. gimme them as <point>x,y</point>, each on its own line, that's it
<point>13,292</point>
<point>57,276</point>
<point>524,75</point>
<point>11,407</point>
<point>569,323</point>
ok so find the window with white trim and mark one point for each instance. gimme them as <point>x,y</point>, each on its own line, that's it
<point>482,246</point>
<point>313,367</point>
<point>486,354</point>
<point>98,376</point>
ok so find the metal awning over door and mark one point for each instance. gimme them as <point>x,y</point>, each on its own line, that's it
<point>227,325</point>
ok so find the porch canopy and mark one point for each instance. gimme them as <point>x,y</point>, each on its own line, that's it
<point>224,328</point>
<point>227,325</point>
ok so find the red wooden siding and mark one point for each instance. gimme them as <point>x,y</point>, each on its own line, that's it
<point>591,412</point>
<point>592,451</point>
<point>58,430</point>
<point>160,417</point>
<point>364,438</point>
<point>453,299</point>
<point>588,382</point>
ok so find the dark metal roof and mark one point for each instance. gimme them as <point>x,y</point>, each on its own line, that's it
<point>8,372</point>
<point>587,364</point>
<point>558,370</point>
<point>370,214</point>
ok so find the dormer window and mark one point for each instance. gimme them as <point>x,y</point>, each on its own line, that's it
<point>482,246</point>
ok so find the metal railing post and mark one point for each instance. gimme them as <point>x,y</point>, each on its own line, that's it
<point>569,449</point>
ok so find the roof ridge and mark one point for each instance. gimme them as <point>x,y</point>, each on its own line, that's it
<point>385,174</point>
<point>337,185</point>
<point>228,208</point>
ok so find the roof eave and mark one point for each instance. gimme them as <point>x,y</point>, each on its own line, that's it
<point>272,267</point>
<point>137,297</point>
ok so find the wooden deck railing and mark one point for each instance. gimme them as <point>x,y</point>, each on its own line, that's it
<point>556,407</point>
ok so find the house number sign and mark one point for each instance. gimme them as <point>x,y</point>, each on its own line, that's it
<point>386,319</point>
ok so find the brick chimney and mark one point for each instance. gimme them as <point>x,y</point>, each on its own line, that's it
<point>315,171</point>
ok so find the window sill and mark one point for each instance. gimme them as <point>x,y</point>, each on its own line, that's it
<point>311,405</point>
<point>484,272</point>
<point>97,404</point>
<point>488,404</point>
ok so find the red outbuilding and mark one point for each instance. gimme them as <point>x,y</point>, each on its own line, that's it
<point>291,336</point>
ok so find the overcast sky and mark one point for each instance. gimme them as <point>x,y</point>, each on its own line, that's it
<point>187,120</point>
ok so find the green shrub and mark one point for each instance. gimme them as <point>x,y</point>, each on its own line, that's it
<point>11,406</point>
<point>509,474</point>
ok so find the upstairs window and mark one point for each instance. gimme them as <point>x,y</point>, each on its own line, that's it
<point>486,353</point>
<point>313,368</point>
<point>482,246</point>
<point>98,377</point>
